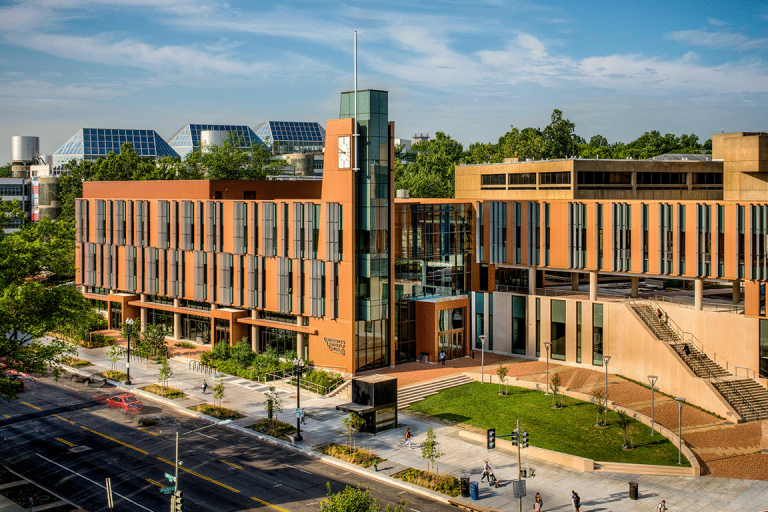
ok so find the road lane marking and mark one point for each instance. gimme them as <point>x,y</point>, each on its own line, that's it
<point>298,469</point>
<point>6,415</point>
<point>230,464</point>
<point>268,504</point>
<point>147,432</point>
<point>65,442</point>
<point>156,483</point>
<point>65,419</point>
<point>32,406</point>
<point>199,475</point>
<point>95,483</point>
<point>115,440</point>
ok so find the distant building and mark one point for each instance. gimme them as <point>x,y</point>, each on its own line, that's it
<point>420,137</point>
<point>94,143</point>
<point>17,189</point>
<point>284,137</point>
<point>188,139</point>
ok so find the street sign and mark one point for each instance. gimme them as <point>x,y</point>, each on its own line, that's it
<point>167,490</point>
<point>518,488</point>
<point>170,477</point>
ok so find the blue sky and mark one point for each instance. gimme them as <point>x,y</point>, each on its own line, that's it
<point>470,69</point>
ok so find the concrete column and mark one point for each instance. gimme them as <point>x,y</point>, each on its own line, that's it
<point>300,338</point>
<point>736,292</point>
<point>635,287</point>
<point>176,320</point>
<point>698,294</point>
<point>143,313</point>
<point>575,281</point>
<point>255,332</point>
<point>531,280</point>
<point>593,286</point>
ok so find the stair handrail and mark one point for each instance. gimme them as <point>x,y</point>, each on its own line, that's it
<point>689,337</point>
<point>712,377</point>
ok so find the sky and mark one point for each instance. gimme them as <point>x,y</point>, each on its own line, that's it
<point>469,69</point>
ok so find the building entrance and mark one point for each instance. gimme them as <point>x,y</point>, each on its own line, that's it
<point>452,342</point>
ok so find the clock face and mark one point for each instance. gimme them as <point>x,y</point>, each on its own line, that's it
<point>344,152</point>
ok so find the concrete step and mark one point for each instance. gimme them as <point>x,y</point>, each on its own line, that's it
<point>641,469</point>
<point>413,394</point>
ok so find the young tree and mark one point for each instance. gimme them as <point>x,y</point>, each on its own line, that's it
<point>154,336</point>
<point>625,424</point>
<point>242,353</point>
<point>165,373</point>
<point>352,423</point>
<point>272,403</point>
<point>115,352</point>
<point>554,385</point>
<point>218,392</point>
<point>502,372</point>
<point>598,399</point>
<point>354,499</point>
<point>429,449</point>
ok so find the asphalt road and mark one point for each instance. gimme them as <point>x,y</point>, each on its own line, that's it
<point>61,436</point>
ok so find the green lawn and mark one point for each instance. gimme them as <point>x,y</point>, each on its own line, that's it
<point>568,430</point>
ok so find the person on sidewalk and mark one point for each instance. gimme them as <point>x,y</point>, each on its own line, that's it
<point>662,506</point>
<point>442,357</point>
<point>204,386</point>
<point>576,500</point>
<point>487,472</point>
<point>408,439</point>
<point>303,416</point>
<point>537,503</point>
<point>687,351</point>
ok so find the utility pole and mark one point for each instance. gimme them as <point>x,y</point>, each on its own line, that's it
<point>519,469</point>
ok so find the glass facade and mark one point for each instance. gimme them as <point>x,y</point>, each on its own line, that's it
<point>372,237</point>
<point>293,136</point>
<point>597,334</point>
<point>558,329</point>
<point>95,143</point>
<point>187,139</point>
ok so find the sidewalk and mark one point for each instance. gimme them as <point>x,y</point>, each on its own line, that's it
<point>603,492</point>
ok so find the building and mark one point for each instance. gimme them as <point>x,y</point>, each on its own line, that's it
<point>188,139</point>
<point>284,137</point>
<point>94,143</point>
<point>537,259</point>
<point>17,189</point>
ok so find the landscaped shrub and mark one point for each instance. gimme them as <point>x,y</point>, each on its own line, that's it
<point>324,378</point>
<point>114,375</point>
<point>274,428</point>
<point>75,362</point>
<point>221,413</point>
<point>184,344</point>
<point>164,392</point>
<point>449,484</point>
<point>361,456</point>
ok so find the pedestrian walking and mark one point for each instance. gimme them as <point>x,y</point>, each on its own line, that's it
<point>687,351</point>
<point>487,472</point>
<point>303,416</point>
<point>408,436</point>
<point>442,357</point>
<point>204,386</point>
<point>662,506</point>
<point>576,499</point>
<point>537,503</point>
<point>659,313</point>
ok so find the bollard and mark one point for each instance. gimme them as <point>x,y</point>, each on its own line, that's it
<point>633,490</point>
<point>376,465</point>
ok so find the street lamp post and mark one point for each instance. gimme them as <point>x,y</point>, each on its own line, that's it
<point>483,337</point>
<point>298,366</point>
<point>128,329</point>
<point>652,379</point>
<point>606,360</point>
<point>176,474</point>
<point>680,401</point>
<point>547,346</point>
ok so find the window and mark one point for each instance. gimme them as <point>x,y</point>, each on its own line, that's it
<point>523,178</point>
<point>557,335</point>
<point>597,334</point>
<point>555,178</point>
<point>538,327</point>
<point>493,179</point>
<point>578,332</point>
<point>764,348</point>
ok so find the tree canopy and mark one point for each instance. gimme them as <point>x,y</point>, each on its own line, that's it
<point>431,172</point>
<point>5,170</point>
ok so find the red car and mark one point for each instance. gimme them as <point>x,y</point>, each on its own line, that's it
<point>126,403</point>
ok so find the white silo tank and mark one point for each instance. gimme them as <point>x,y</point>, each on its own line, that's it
<point>212,137</point>
<point>24,148</point>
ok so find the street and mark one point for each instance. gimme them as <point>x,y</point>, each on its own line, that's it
<point>60,435</point>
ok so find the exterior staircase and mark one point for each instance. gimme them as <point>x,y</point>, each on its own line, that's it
<point>748,398</point>
<point>418,392</point>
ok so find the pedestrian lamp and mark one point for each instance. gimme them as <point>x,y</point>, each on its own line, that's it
<point>606,360</point>
<point>483,337</point>
<point>298,366</point>
<point>652,379</point>
<point>680,402</point>
<point>176,474</point>
<point>128,329</point>
<point>547,346</point>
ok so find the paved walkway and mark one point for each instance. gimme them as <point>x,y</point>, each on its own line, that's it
<point>599,492</point>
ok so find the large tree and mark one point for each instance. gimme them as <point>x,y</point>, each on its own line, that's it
<point>432,174</point>
<point>5,170</point>
<point>35,263</point>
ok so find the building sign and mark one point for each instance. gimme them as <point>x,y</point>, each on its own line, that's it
<point>335,345</point>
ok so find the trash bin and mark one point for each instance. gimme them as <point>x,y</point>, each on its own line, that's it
<point>475,490</point>
<point>424,357</point>
<point>633,490</point>
<point>464,487</point>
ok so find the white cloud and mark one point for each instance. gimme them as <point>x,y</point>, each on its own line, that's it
<point>720,39</point>
<point>717,22</point>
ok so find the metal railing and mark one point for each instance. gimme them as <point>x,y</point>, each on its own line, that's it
<point>602,295</point>
<point>287,379</point>
<point>197,366</point>
<point>689,302</point>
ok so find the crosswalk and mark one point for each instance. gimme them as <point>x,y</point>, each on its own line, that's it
<point>251,385</point>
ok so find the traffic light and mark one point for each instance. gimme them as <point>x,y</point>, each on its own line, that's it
<point>176,502</point>
<point>515,439</point>
<point>491,440</point>
<point>523,439</point>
